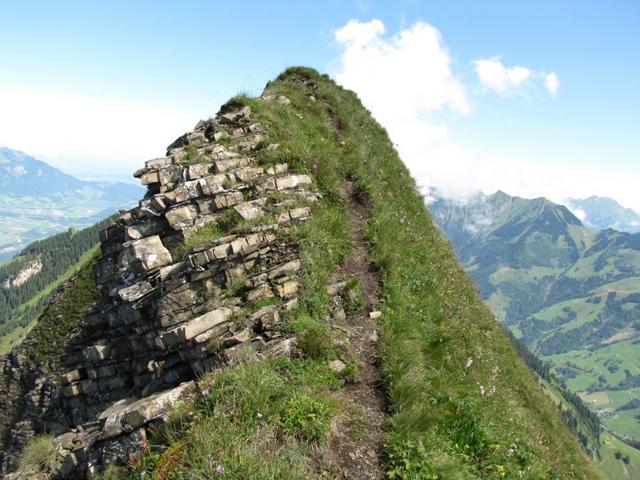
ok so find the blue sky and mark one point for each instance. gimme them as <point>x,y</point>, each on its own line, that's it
<point>98,87</point>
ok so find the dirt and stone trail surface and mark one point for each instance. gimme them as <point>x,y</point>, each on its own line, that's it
<point>360,459</point>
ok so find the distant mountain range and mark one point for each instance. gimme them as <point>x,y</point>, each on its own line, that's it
<point>571,293</point>
<point>38,200</point>
<point>603,212</point>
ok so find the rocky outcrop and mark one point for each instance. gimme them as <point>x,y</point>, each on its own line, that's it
<point>29,391</point>
<point>194,278</point>
<point>28,271</point>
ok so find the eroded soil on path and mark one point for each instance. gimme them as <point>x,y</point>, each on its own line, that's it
<point>359,456</point>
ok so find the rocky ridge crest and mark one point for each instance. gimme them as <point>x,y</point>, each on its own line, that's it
<point>173,307</point>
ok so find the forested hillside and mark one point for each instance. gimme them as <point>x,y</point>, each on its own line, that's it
<point>28,280</point>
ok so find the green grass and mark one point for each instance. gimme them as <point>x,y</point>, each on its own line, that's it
<point>463,405</point>
<point>433,323</point>
<point>46,341</point>
<point>618,460</point>
<point>586,312</point>
<point>586,267</point>
<point>202,237</point>
<point>593,364</point>
<point>612,459</point>
<point>191,156</point>
<point>313,336</point>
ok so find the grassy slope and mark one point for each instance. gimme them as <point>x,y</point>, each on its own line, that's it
<point>617,468</point>
<point>588,365</point>
<point>463,404</point>
<point>606,362</point>
<point>45,343</point>
<point>7,342</point>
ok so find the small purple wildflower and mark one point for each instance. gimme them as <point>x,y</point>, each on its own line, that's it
<point>205,392</point>
<point>219,469</point>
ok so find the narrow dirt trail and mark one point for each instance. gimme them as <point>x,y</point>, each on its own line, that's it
<point>361,459</point>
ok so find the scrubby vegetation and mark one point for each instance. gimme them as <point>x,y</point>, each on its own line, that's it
<point>39,456</point>
<point>463,405</point>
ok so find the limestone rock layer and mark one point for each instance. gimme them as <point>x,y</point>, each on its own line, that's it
<point>194,278</point>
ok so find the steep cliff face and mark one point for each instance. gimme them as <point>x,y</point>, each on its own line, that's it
<point>279,305</point>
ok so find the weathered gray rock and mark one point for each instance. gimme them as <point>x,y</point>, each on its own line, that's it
<point>135,292</point>
<point>234,116</point>
<point>193,328</point>
<point>182,215</point>
<point>149,178</point>
<point>251,210</point>
<point>148,252</point>
<point>337,366</point>
<point>130,413</point>
<point>173,307</point>
<point>292,181</point>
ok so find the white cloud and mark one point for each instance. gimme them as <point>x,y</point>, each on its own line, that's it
<point>495,76</point>
<point>403,80</point>
<point>552,83</point>
<point>413,66</point>
<point>406,80</point>
<point>89,133</point>
<point>578,212</point>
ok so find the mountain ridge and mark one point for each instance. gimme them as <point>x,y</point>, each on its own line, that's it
<point>567,291</point>
<point>38,200</point>
<point>281,266</point>
<point>605,213</point>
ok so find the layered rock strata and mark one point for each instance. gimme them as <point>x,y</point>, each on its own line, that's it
<point>195,277</point>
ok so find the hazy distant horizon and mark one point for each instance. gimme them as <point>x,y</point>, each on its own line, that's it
<point>536,99</point>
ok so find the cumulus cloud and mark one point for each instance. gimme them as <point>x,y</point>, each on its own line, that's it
<point>413,65</point>
<point>407,82</point>
<point>404,80</point>
<point>90,133</point>
<point>495,76</point>
<point>552,83</point>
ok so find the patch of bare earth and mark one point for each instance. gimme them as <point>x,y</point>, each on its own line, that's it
<point>354,450</point>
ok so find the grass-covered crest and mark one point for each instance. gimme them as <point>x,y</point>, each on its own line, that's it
<point>462,405</point>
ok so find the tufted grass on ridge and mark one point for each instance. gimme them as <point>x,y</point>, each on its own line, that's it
<point>463,405</point>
